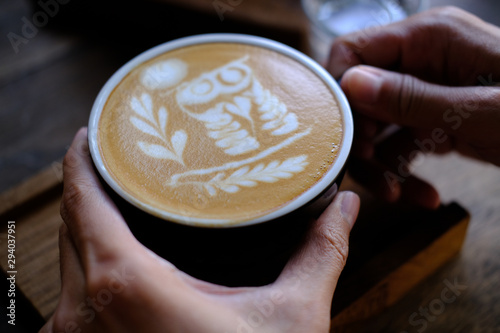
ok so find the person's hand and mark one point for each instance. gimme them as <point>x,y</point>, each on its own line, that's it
<point>112,283</point>
<point>433,75</point>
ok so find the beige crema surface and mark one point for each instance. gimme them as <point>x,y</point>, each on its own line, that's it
<point>219,131</point>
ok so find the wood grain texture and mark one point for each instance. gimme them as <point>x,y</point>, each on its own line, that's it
<point>476,186</point>
<point>34,206</point>
<point>399,282</point>
<point>31,190</point>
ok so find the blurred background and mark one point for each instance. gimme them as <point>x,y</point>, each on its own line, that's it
<point>51,71</point>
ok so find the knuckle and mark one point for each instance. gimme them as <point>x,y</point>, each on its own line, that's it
<point>59,323</point>
<point>112,281</point>
<point>410,97</point>
<point>130,294</point>
<point>70,159</point>
<point>439,21</point>
<point>337,243</point>
<point>449,12</point>
<point>448,17</point>
<point>100,282</point>
<point>62,318</point>
<point>97,280</point>
<point>76,155</point>
<point>73,198</point>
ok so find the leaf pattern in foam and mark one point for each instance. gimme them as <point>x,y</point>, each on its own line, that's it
<point>143,107</point>
<point>146,122</point>
<point>158,151</point>
<point>272,111</point>
<point>162,120</point>
<point>179,140</point>
<point>241,107</point>
<point>145,127</point>
<point>228,132</point>
<point>246,177</point>
<point>289,124</point>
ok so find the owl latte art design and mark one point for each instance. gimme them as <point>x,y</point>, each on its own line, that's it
<point>230,124</point>
<point>221,131</point>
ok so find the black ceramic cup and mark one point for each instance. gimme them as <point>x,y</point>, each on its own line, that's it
<point>243,251</point>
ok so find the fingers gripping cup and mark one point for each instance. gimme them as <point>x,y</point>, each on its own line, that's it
<point>333,18</point>
<point>226,145</point>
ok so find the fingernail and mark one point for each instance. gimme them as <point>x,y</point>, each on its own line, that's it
<point>349,207</point>
<point>362,85</point>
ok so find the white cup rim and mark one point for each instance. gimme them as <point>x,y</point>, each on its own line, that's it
<point>302,200</point>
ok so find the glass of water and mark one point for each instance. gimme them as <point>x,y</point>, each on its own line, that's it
<point>332,18</point>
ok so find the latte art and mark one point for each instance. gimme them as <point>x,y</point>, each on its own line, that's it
<point>219,120</point>
<point>222,132</point>
<point>228,79</point>
<point>164,74</point>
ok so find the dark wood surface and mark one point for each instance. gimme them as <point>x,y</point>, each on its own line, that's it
<point>477,187</point>
<point>48,87</point>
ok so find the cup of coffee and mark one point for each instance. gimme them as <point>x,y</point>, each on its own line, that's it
<point>218,149</point>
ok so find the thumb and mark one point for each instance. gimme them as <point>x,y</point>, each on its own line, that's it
<point>94,222</point>
<point>315,269</point>
<point>405,100</point>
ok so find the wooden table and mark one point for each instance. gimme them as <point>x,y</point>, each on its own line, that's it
<point>477,187</point>
<point>48,87</point>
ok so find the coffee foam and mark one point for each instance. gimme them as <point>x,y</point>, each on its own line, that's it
<point>219,131</point>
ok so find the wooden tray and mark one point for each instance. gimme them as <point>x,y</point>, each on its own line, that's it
<point>393,248</point>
